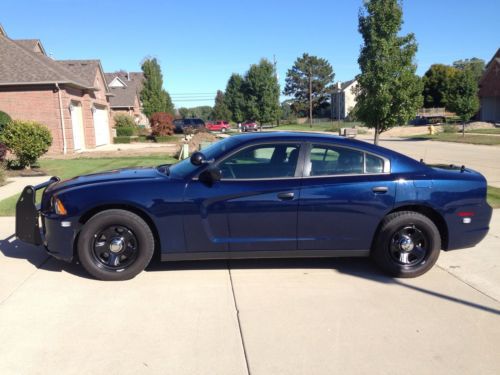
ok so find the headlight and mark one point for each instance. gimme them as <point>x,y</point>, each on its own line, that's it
<point>58,207</point>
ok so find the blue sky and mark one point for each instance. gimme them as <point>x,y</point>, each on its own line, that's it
<point>200,43</point>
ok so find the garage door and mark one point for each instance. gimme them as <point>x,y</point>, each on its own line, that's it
<point>101,126</point>
<point>77,125</point>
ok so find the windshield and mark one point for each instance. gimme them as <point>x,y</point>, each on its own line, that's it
<point>185,168</point>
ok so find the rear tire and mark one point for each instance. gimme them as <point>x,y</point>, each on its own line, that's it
<point>115,245</point>
<point>407,245</point>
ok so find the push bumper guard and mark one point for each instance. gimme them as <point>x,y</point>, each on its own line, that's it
<point>28,213</point>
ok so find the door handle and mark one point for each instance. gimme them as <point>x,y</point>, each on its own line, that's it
<point>286,196</point>
<point>380,189</point>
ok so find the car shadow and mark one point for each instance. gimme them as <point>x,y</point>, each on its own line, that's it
<point>363,268</point>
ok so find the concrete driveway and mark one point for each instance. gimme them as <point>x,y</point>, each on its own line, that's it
<point>323,316</point>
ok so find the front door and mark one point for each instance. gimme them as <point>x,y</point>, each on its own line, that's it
<point>252,208</point>
<point>345,194</point>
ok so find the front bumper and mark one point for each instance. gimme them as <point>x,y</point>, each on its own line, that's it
<point>58,238</point>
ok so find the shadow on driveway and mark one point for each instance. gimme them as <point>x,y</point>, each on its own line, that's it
<point>359,267</point>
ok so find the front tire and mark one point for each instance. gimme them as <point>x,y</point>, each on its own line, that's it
<point>407,245</point>
<point>115,245</point>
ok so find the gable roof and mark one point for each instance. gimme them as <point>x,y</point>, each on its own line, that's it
<point>20,66</point>
<point>125,97</point>
<point>488,84</point>
<point>33,45</point>
<point>86,69</point>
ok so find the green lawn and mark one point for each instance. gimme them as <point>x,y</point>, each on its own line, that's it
<point>332,126</point>
<point>73,167</point>
<point>485,131</point>
<point>494,196</point>
<point>459,138</point>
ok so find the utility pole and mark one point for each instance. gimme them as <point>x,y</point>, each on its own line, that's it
<point>277,80</point>
<point>310,100</point>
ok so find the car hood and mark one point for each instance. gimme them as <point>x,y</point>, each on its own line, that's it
<point>116,175</point>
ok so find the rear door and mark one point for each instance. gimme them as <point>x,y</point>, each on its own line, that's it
<point>253,207</point>
<point>345,194</point>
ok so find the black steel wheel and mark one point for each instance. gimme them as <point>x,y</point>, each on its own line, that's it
<point>407,245</point>
<point>115,245</point>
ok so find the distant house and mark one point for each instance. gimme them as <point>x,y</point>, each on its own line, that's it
<point>126,89</point>
<point>343,99</point>
<point>489,90</point>
<point>70,97</point>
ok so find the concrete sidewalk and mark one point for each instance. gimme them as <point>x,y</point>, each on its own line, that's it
<point>16,184</point>
<point>316,316</point>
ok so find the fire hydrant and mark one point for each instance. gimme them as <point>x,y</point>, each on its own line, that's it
<point>432,130</point>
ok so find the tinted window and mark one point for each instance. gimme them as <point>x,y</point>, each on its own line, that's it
<point>263,161</point>
<point>331,160</point>
<point>374,164</point>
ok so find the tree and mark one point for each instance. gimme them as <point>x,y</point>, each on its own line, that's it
<point>437,82</point>
<point>221,110</point>
<point>184,112</point>
<point>153,96</point>
<point>463,99</point>
<point>204,112</point>
<point>262,93</point>
<point>162,124</point>
<point>389,93</point>
<point>235,97</point>
<point>309,82</point>
<point>475,65</point>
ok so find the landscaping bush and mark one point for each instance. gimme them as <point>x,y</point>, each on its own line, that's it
<point>4,119</point>
<point>28,140</point>
<point>121,139</point>
<point>165,138</point>
<point>124,121</point>
<point>3,153</point>
<point>162,124</point>
<point>125,131</point>
<point>3,179</point>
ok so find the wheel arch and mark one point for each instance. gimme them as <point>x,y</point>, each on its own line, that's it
<point>121,206</point>
<point>428,212</point>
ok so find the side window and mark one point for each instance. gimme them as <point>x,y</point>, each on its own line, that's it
<point>374,164</point>
<point>331,160</point>
<point>263,161</point>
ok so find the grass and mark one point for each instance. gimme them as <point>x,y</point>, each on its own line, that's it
<point>485,131</point>
<point>458,138</point>
<point>68,168</point>
<point>494,196</point>
<point>331,126</point>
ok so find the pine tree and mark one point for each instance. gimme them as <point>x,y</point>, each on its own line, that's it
<point>153,96</point>
<point>221,110</point>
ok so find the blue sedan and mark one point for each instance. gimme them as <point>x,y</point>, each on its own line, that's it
<point>261,195</point>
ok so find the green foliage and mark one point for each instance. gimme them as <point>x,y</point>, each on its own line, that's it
<point>3,153</point>
<point>125,132</point>
<point>3,179</point>
<point>162,123</point>
<point>309,71</point>
<point>154,98</point>
<point>124,121</point>
<point>204,112</point>
<point>166,139</point>
<point>463,98</point>
<point>287,114</point>
<point>221,110</point>
<point>28,140</point>
<point>122,139</point>
<point>389,92</point>
<point>235,97</point>
<point>449,128</point>
<point>475,65</point>
<point>4,119</point>
<point>437,83</point>
<point>262,93</point>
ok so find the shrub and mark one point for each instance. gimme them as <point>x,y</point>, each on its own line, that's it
<point>4,119</point>
<point>2,176</point>
<point>124,121</point>
<point>28,140</point>
<point>125,132</point>
<point>162,124</point>
<point>3,153</point>
<point>121,139</point>
<point>165,138</point>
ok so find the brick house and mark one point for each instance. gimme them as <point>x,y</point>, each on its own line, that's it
<point>70,97</point>
<point>126,88</point>
<point>343,99</point>
<point>489,90</point>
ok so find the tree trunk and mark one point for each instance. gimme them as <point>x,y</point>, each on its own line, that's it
<point>310,103</point>
<point>463,128</point>
<point>375,139</point>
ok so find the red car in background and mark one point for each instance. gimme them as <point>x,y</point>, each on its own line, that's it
<point>249,126</point>
<point>221,126</point>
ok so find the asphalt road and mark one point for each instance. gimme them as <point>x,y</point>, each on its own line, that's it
<point>323,316</point>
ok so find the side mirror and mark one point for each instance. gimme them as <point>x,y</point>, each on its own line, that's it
<point>210,176</point>
<point>198,158</point>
